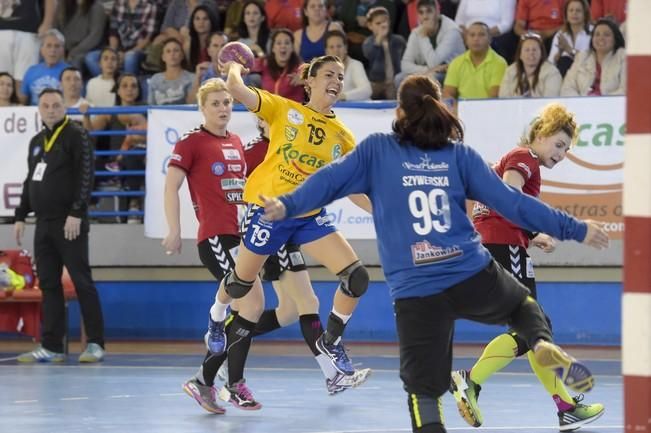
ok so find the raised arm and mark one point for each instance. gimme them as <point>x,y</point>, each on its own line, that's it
<point>527,212</point>
<point>236,87</point>
<point>346,176</point>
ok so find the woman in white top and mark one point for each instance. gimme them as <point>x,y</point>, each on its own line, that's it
<point>498,15</point>
<point>99,90</point>
<point>573,37</point>
<point>357,86</point>
<point>531,75</point>
<point>602,69</point>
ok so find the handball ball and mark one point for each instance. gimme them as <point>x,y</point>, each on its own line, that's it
<point>237,52</point>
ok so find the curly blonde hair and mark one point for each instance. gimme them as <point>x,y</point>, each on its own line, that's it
<point>552,119</point>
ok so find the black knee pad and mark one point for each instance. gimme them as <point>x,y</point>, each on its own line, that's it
<point>353,280</point>
<point>235,287</point>
<point>523,347</point>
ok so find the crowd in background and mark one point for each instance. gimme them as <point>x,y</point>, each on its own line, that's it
<point>158,52</point>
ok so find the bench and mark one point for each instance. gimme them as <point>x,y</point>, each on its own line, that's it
<point>20,311</point>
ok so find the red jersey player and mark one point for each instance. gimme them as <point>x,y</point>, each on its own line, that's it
<point>549,139</point>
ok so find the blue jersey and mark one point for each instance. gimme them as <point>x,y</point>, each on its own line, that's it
<point>426,241</point>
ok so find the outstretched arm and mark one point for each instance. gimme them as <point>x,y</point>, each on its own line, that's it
<point>346,176</point>
<point>484,185</point>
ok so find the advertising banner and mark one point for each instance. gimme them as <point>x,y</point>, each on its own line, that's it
<point>17,126</point>
<point>588,184</point>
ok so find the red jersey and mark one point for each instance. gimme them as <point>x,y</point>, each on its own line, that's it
<point>254,152</point>
<point>284,13</point>
<point>491,226</point>
<point>215,169</point>
<point>540,14</point>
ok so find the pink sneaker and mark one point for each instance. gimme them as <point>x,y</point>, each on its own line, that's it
<point>239,395</point>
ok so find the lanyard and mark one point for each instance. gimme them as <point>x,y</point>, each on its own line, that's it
<point>49,143</point>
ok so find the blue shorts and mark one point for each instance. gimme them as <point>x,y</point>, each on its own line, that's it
<point>266,237</point>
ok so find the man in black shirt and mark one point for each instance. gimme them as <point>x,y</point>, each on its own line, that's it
<point>57,189</point>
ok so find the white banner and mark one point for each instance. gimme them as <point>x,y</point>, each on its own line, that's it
<point>18,126</point>
<point>587,185</point>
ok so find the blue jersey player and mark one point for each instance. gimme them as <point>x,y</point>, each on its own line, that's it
<point>418,179</point>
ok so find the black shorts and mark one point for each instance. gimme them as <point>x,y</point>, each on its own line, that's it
<point>425,325</point>
<point>288,258</point>
<point>217,254</point>
<point>516,260</point>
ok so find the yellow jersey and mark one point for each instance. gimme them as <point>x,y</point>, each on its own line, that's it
<point>301,141</point>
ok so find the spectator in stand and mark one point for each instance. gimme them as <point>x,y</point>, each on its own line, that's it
<point>309,42</point>
<point>613,9</point>
<point>128,94</point>
<point>478,72</point>
<point>253,29</point>
<point>531,75</point>
<point>498,16</point>
<point>602,69</point>
<point>408,13</point>
<point>357,87</point>
<point>432,45</point>
<point>573,37</point>
<point>285,14</point>
<point>82,23</point>
<point>203,22</point>
<point>175,24</point>
<point>8,90</point>
<point>383,50</point>
<point>45,74</point>
<point>280,70</point>
<point>72,84</point>
<point>233,17</point>
<point>131,29</point>
<point>99,90</point>
<point>207,70</point>
<point>21,23</point>
<point>539,16</point>
<point>353,16</point>
<point>173,85</point>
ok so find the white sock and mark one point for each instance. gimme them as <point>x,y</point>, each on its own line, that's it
<point>326,366</point>
<point>218,311</point>
<point>344,317</point>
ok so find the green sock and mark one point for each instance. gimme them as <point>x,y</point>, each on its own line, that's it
<point>497,354</point>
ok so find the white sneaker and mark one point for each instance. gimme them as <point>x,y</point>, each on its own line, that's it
<point>342,382</point>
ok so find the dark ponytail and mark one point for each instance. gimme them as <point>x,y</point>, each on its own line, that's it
<point>424,121</point>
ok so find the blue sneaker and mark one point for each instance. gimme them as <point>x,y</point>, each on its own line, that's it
<point>337,355</point>
<point>215,338</point>
<point>41,354</point>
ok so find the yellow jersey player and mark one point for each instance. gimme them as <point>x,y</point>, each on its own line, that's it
<point>303,138</point>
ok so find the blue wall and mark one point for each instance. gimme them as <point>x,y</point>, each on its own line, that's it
<point>581,313</point>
